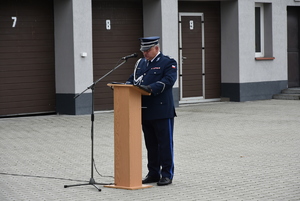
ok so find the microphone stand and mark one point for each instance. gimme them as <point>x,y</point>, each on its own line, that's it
<point>92,87</point>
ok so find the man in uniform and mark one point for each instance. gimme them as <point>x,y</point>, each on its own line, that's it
<point>157,73</point>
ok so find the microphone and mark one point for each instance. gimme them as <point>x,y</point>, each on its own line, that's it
<point>129,56</point>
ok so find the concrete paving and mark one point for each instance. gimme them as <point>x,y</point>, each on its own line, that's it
<point>223,151</point>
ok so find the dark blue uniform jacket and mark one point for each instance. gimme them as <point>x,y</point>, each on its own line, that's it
<point>160,75</point>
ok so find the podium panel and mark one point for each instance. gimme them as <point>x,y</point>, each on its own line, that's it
<point>127,137</point>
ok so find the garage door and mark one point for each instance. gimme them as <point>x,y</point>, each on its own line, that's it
<point>293,30</point>
<point>117,25</point>
<point>27,80</point>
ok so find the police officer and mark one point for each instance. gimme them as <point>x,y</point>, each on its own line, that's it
<point>157,73</point>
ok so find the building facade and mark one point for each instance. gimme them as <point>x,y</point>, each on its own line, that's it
<point>53,50</point>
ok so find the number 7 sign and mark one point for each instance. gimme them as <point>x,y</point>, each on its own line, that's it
<point>14,21</point>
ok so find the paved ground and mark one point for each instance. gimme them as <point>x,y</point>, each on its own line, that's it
<point>223,151</point>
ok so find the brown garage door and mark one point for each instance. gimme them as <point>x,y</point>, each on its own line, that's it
<point>192,87</point>
<point>293,22</point>
<point>27,81</point>
<point>117,25</point>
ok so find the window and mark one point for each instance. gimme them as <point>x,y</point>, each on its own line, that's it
<point>259,30</point>
<point>263,32</point>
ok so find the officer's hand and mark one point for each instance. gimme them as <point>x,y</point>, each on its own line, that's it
<point>146,88</point>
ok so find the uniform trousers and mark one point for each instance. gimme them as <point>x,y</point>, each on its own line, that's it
<point>158,136</point>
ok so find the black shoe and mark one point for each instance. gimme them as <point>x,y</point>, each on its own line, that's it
<point>150,179</point>
<point>164,181</point>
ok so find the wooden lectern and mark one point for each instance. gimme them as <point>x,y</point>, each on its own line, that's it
<point>127,137</point>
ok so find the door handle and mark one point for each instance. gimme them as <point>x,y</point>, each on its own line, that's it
<point>184,58</point>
